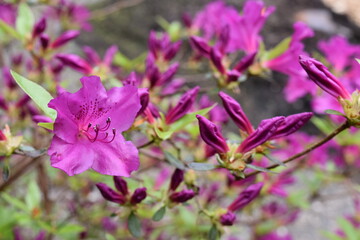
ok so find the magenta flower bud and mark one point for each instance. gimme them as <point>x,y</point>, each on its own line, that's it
<point>200,45</point>
<point>322,77</point>
<point>109,55</point>
<point>236,113</point>
<point>232,76</point>
<point>65,38</point>
<point>2,136</point>
<point>17,59</point>
<point>109,194</point>
<point>216,59</point>
<point>183,196</point>
<point>153,74</point>
<point>169,74</point>
<point>263,133</point>
<point>75,62</point>
<point>176,179</point>
<point>138,196</point>
<point>183,106</point>
<point>44,41</point>
<point>39,27</point>
<point>41,118</point>
<point>228,219</point>
<point>291,124</point>
<point>172,51</point>
<point>91,56</point>
<point>144,99</point>
<point>153,44</point>
<point>245,62</point>
<point>121,185</point>
<point>173,86</point>
<point>210,133</point>
<point>8,79</point>
<point>3,104</point>
<point>223,39</point>
<point>246,197</point>
<point>187,20</point>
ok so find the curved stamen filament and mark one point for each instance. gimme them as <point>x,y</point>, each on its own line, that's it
<point>108,123</point>
<point>99,132</point>
<point>114,134</point>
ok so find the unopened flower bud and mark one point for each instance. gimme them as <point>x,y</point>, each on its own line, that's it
<point>228,218</point>
<point>39,28</point>
<point>138,196</point>
<point>183,196</point>
<point>263,133</point>
<point>172,51</point>
<point>176,179</point>
<point>109,194</point>
<point>210,133</point>
<point>44,41</point>
<point>65,38</point>
<point>3,104</point>
<point>183,106</point>
<point>75,62</point>
<point>236,113</point>
<point>319,74</point>
<point>144,99</point>
<point>200,45</point>
<point>121,185</point>
<point>8,78</point>
<point>246,197</point>
<point>216,59</point>
<point>246,62</point>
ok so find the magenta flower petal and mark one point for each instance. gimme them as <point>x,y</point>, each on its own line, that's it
<point>88,129</point>
<point>65,38</point>
<point>109,55</point>
<point>245,197</point>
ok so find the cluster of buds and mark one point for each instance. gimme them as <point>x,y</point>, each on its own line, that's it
<point>236,156</point>
<point>181,196</point>
<point>322,77</point>
<point>122,195</point>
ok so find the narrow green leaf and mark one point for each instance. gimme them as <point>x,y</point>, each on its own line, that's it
<point>108,236</point>
<point>30,151</point>
<point>9,30</point>
<point>33,196</point>
<point>333,112</point>
<point>278,49</point>
<point>46,125</point>
<point>173,160</point>
<point>134,225</point>
<point>198,166</point>
<point>70,228</point>
<point>257,168</point>
<point>14,201</point>
<point>25,20</point>
<point>331,236</point>
<point>213,233</point>
<point>323,125</point>
<point>350,231</point>
<point>274,160</point>
<point>37,93</point>
<point>159,214</point>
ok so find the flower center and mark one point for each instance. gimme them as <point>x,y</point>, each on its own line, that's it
<point>98,133</point>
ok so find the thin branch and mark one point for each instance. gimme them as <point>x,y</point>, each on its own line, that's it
<point>117,6</point>
<point>311,148</point>
<point>146,144</point>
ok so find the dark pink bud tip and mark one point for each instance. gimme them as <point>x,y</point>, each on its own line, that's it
<point>246,62</point>
<point>65,38</point>
<point>121,185</point>
<point>176,179</point>
<point>75,62</point>
<point>183,196</point>
<point>320,75</point>
<point>228,218</point>
<point>210,133</point>
<point>200,45</point>
<point>138,196</point>
<point>109,194</point>
<point>246,197</point>
<point>39,27</point>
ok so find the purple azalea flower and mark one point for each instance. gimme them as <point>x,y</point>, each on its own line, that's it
<point>8,13</point>
<point>246,197</point>
<point>88,129</point>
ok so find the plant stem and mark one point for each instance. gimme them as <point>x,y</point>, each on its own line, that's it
<point>311,148</point>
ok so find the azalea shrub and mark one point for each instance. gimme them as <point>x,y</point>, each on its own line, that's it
<point>109,147</point>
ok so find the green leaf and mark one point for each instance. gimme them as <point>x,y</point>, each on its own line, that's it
<point>333,112</point>
<point>350,231</point>
<point>173,160</point>
<point>25,20</point>
<point>257,168</point>
<point>134,225</point>
<point>278,49</point>
<point>198,166</point>
<point>159,214</point>
<point>274,160</point>
<point>14,201</point>
<point>33,196</point>
<point>46,125</point>
<point>213,233</point>
<point>37,93</point>
<point>181,123</point>
<point>323,125</point>
<point>70,229</point>
<point>332,236</point>
<point>9,30</point>
<point>109,237</point>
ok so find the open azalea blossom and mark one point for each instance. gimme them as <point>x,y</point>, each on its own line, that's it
<point>88,129</point>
